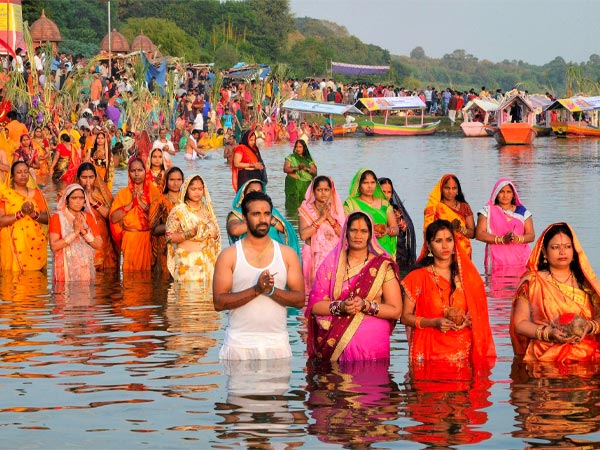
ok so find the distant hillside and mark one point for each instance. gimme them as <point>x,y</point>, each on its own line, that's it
<point>320,28</point>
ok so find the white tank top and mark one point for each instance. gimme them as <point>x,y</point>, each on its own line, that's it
<point>258,329</point>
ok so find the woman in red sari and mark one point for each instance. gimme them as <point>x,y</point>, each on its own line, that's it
<point>556,310</point>
<point>247,162</point>
<point>355,300</point>
<point>445,306</point>
<point>129,219</point>
<point>447,201</point>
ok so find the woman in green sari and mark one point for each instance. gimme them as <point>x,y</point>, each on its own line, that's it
<point>300,169</point>
<point>366,195</point>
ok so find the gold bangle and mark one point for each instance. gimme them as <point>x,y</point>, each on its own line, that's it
<point>418,323</point>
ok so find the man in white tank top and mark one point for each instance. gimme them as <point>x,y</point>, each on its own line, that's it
<point>250,281</point>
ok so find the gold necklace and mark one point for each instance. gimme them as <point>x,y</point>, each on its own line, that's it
<point>556,283</point>
<point>440,289</point>
<point>347,277</point>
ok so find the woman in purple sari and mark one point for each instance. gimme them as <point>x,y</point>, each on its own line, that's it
<point>355,300</point>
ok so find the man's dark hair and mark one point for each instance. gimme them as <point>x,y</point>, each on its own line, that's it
<point>253,197</point>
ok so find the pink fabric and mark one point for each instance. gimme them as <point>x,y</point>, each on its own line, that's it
<point>372,338</point>
<point>325,239</point>
<point>499,223</point>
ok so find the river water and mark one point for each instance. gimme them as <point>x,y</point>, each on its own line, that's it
<point>133,363</point>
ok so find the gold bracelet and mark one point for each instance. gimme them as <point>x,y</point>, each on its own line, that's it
<point>538,333</point>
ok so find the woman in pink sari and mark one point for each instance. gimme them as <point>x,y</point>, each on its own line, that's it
<point>320,219</point>
<point>506,226</point>
<point>355,300</point>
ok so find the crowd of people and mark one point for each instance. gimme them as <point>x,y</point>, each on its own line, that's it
<point>357,270</point>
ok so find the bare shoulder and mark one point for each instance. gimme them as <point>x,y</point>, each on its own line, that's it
<point>227,257</point>
<point>288,253</point>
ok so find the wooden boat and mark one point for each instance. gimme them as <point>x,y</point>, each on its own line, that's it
<point>568,109</point>
<point>371,128</point>
<point>343,130</point>
<point>477,114</point>
<point>329,109</point>
<point>541,131</point>
<point>517,130</point>
<point>387,104</point>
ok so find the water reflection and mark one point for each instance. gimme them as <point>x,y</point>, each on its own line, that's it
<point>352,403</point>
<point>258,408</point>
<point>555,402</point>
<point>448,402</point>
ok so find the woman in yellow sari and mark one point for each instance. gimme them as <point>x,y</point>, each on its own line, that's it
<point>130,224</point>
<point>42,146</point>
<point>23,222</point>
<point>193,236</point>
<point>101,156</point>
<point>447,201</point>
<point>556,309</point>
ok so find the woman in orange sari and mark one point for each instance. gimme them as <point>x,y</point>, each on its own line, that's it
<point>100,198</point>
<point>556,309</point>
<point>130,223</point>
<point>101,156</point>
<point>159,212</point>
<point>247,162</point>
<point>444,303</point>
<point>42,146</point>
<point>23,222</point>
<point>447,201</point>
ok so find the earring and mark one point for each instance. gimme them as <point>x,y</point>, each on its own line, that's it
<point>429,254</point>
<point>544,260</point>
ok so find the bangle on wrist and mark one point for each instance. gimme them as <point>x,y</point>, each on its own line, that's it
<point>89,237</point>
<point>271,292</point>
<point>335,308</point>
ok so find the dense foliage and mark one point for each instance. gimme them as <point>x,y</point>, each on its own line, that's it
<point>264,31</point>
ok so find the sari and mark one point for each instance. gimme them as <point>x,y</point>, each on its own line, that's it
<point>436,209</point>
<point>432,296</point>
<point>24,243</point>
<point>75,262</point>
<point>379,215</point>
<point>249,155</point>
<point>183,264</point>
<point>296,185</point>
<point>68,161</point>
<point>44,156</point>
<point>160,209</point>
<point>104,164</point>
<point>325,239</point>
<point>406,242</point>
<point>500,222</point>
<point>157,178</point>
<point>350,338</point>
<point>106,257</point>
<point>287,237</point>
<point>132,233</point>
<point>548,302</point>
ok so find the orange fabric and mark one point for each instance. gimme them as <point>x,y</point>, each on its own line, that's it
<point>547,303</point>
<point>134,230</point>
<point>248,157</point>
<point>435,209</point>
<point>431,299</point>
<point>15,130</point>
<point>24,244</point>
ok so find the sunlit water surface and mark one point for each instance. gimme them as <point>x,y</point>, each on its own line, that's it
<point>132,363</point>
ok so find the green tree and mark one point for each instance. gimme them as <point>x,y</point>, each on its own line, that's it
<point>165,34</point>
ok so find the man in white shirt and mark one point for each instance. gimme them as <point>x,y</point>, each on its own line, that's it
<point>256,280</point>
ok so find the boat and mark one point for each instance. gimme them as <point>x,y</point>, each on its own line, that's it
<point>347,128</point>
<point>516,117</point>
<point>575,116</point>
<point>387,104</point>
<point>477,114</point>
<point>329,109</point>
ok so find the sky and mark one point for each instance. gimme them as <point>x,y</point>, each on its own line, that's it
<point>534,31</point>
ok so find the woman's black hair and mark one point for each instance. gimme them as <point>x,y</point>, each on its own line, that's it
<point>320,179</point>
<point>575,265</point>
<point>169,172</point>
<point>430,232</point>
<point>460,196</point>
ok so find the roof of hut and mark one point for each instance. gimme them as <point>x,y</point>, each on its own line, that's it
<point>44,29</point>
<point>118,42</point>
<point>143,42</point>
